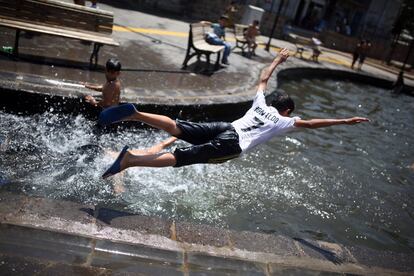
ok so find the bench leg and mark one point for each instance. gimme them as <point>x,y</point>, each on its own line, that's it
<point>217,65</point>
<point>187,59</point>
<point>243,48</point>
<point>94,55</point>
<point>208,61</point>
<point>16,43</point>
<point>299,52</point>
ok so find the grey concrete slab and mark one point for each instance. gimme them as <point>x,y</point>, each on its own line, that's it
<point>283,271</point>
<point>69,270</point>
<point>121,258</point>
<point>385,259</point>
<point>137,267</point>
<point>131,252</point>
<point>211,271</point>
<point>143,224</point>
<point>224,265</point>
<point>255,242</point>
<point>10,204</point>
<point>201,234</point>
<point>45,245</point>
<point>17,265</point>
<point>13,265</point>
<point>66,211</point>
<point>334,253</point>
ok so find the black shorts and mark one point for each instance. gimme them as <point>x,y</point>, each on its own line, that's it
<point>212,143</point>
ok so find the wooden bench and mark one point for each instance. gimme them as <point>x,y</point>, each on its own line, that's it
<point>57,18</point>
<point>303,44</point>
<point>241,41</point>
<point>197,45</point>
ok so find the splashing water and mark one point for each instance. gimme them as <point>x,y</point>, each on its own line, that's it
<point>348,184</point>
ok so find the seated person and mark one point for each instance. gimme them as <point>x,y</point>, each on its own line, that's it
<point>111,90</point>
<point>250,34</point>
<point>218,37</point>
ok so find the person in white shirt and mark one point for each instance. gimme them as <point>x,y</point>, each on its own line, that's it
<point>216,142</point>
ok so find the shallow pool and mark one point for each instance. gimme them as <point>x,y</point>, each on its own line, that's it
<point>347,184</point>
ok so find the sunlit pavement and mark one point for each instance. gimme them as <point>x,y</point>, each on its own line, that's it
<point>152,51</point>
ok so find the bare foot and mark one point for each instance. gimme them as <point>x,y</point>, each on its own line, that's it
<point>169,141</point>
<point>112,154</point>
<point>118,183</point>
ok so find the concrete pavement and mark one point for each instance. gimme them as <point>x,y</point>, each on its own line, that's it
<point>152,51</point>
<point>46,237</point>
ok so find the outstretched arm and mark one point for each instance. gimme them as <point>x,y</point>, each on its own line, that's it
<point>266,73</point>
<point>317,123</point>
<point>90,99</point>
<point>94,87</point>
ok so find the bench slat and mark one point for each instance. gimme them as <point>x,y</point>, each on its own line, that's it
<point>208,47</point>
<point>197,43</point>
<point>87,36</point>
<point>53,12</point>
<point>56,5</point>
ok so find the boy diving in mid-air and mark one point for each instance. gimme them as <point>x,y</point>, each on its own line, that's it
<point>216,142</point>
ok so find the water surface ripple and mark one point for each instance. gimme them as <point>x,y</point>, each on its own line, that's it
<point>347,184</point>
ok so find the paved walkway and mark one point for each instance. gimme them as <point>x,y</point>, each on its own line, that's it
<point>152,51</point>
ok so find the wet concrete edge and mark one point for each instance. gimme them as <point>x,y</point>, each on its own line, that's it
<point>66,232</point>
<point>20,95</point>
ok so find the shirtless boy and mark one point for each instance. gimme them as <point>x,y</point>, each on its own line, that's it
<point>111,90</point>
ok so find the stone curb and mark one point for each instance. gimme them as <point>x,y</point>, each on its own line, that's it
<point>20,92</point>
<point>57,228</point>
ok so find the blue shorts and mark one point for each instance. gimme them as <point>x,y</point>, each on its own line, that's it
<point>211,143</point>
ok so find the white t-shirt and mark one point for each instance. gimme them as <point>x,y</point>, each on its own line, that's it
<point>260,123</point>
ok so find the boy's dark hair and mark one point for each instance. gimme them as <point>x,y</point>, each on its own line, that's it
<point>282,101</point>
<point>256,22</point>
<point>113,65</point>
